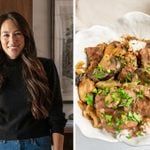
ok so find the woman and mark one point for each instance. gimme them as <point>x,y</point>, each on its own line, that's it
<point>30,97</point>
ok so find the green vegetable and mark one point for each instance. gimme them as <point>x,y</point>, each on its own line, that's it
<point>138,81</point>
<point>99,72</point>
<point>128,136</point>
<point>121,120</point>
<point>147,69</point>
<point>89,99</point>
<point>118,123</point>
<point>124,118</point>
<point>122,93</point>
<point>95,91</point>
<point>140,94</point>
<point>139,133</point>
<point>104,91</point>
<point>108,118</point>
<point>128,77</point>
<point>115,97</point>
<point>120,97</point>
<point>134,117</point>
<point>126,100</point>
<point>108,100</point>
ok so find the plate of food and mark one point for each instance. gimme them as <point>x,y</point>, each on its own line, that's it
<point>112,80</point>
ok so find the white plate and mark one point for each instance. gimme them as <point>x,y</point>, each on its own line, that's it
<point>133,23</point>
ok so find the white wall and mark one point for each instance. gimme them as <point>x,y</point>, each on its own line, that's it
<point>41,27</point>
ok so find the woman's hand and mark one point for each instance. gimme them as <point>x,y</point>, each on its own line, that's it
<point>58,141</point>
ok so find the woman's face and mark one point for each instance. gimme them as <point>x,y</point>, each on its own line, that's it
<point>12,39</point>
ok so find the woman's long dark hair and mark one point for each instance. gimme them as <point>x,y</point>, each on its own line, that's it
<point>32,69</point>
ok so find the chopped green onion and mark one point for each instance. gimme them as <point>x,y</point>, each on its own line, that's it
<point>118,122</point>
<point>128,136</point>
<point>108,118</point>
<point>105,91</point>
<point>115,97</point>
<point>140,94</point>
<point>139,133</point>
<point>128,77</point>
<point>126,99</point>
<point>89,99</point>
<point>99,72</point>
<point>147,69</point>
<point>95,91</point>
<point>134,117</point>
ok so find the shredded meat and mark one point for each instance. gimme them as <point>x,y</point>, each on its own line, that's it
<point>114,90</point>
<point>142,107</point>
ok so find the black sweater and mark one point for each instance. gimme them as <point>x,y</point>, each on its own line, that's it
<point>16,120</point>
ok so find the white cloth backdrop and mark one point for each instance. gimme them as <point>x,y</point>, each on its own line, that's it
<point>105,12</point>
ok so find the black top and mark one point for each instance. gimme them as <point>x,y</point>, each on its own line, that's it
<point>16,120</point>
